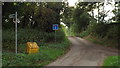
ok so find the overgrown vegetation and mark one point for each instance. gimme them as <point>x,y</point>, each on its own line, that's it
<point>112,61</point>
<point>46,55</point>
<point>48,52</point>
<point>94,28</point>
<point>106,35</point>
<point>36,20</point>
<point>25,35</point>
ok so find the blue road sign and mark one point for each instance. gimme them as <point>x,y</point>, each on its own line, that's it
<point>55,27</point>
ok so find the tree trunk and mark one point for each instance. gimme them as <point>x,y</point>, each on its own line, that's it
<point>98,12</point>
<point>93,13</point>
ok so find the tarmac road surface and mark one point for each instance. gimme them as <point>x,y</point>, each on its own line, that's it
<point>84,53</point>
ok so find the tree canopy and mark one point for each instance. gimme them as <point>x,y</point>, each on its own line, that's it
<point>40,15</point>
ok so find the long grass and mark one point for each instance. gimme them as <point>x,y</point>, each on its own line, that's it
<point>29,35</point>
<point>48,52</point>
<point>112,61</point>
<point>45,55</point>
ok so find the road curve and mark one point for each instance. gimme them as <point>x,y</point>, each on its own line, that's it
<point>84,53</point>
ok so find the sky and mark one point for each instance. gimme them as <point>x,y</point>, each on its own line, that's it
<point>72,2</point>
<point>107,8</point>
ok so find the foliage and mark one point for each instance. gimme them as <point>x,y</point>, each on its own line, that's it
<point>33,15</point>
<point>81,19</point>
<point>100,29</point>
<point>63,45</point>
<point>42,58</point>
<point>36,20</point>
<point>113,32</point>
<point>112,61</point>
<point>36,25</point>
<point>29,35</point>
<point>49,51</point>
<point>89,29</point>
<point>67,16</point>
<point>84,33</point>
<point>104,34</point>
<point>95,39</point>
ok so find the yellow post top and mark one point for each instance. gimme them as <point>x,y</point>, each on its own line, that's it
<point>32,45</point>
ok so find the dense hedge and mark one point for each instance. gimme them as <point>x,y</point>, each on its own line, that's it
<point>30,35</point>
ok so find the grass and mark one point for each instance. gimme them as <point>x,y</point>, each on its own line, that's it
<point>107,36</point>
<point>111,61</point>
<point>103,41</point>
<point>46,55</point>
<point>48,52</point>
<point>25,35</point>
<point>94,39</point>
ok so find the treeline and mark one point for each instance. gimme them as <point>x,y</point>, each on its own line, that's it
<point>36,20</point>
<point>82,22</point>
<point>40,15</point>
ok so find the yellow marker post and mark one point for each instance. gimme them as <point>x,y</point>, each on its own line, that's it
<point>32,47</point>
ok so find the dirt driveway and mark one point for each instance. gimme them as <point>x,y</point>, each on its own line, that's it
<point>84,53</point>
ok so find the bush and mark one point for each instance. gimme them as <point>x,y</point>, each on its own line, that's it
<point>90,29</point>
<point>112,61</point>
<point>113,33</point>
<point>8,39</point>
<point>45,55</point>
<point>100,29</point>
<point>29,35</point>
<point>84,33</point>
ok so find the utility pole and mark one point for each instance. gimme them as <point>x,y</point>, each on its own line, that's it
<point>98,11</point>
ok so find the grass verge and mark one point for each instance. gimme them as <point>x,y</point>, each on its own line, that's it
<point>48,52</point>
<point>46,55</point>
<point>103,41</point>
<point>111,61</point>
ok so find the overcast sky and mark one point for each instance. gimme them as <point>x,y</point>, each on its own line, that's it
<point>72,2</point>
<point>107,8</point>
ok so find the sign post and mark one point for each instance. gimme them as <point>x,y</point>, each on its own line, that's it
<point>55,35</point>
<point>14,16</point>
<point>55,27</point>
<point>16,32</point>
